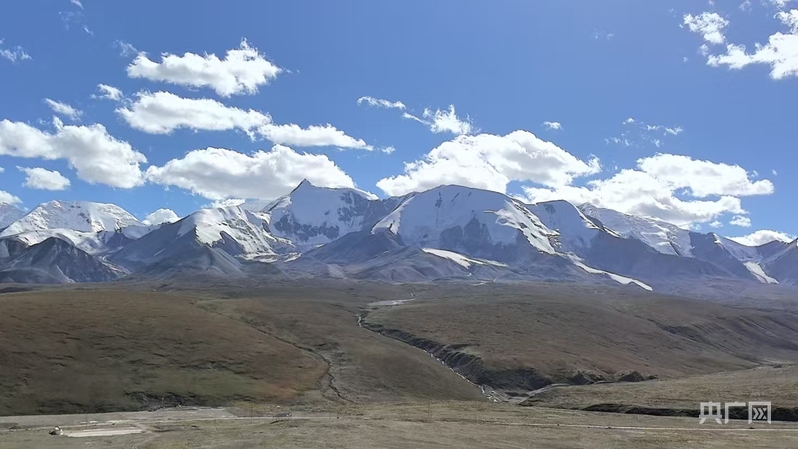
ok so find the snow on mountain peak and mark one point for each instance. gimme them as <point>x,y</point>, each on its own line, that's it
<point>664,237</point>
<point>247,229</point>
<point>75,215</point>
<point>312,216</point>
<point>431,218</point>
<point>575,230</point>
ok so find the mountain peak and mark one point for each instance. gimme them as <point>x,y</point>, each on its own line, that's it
<point>76,215</point>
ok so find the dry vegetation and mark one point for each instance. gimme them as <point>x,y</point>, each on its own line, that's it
<point>83,350</point>
<point>559,331</point>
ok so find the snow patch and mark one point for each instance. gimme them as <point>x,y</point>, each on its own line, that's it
<point>759,273</point>
<point>615,277</point>
<point>664,237</point>
<point>460,259</point>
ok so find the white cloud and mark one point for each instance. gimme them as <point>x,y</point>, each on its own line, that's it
<point>13,54</point>
<point>638,132</point>
<point>763,236</point>
<point>7,198</point>
<point>781,4</point>
<point>380,103</point>
<point>108,93</point>
<point>164,112</point>
<point>229,202</point>
<point>603,35</point>
<point>218,173</point>
<point>653,190</point>
<point>775,173</point>
<point>490,162</point>
<point>64,109</point>
<point>440,121</point>
<point>40,178</point>
<point>312,136</point>
<point>126,49</point>
<point>96,156</point>
<point>745,6</point>
<point>716,224</point>
<point>739,220</point>
<point>552,125</point>
<point>708,24</point>
<point>703,178</point>
<point>446,121</point>
<point>240,72</point>
<point>388,150</point>
<point>161,216</point>
<point>77,3</point>
<point>780,53</point>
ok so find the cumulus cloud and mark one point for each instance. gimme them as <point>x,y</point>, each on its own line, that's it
<point>96,156</point>
<point>552,125</point>
<point>161,216</point>
<point>240,72</point>
<point>63,109</point>
<point>763,236</point>
<point>709,25</point>
<point>40,178</point>
<point>740,220</point>
<point>164,112</point>
<point>716,224</point>
<point>655,187</point>
<point>13,54</point>
<point>703,178</point>
<point>218,173</point>
<point>380,103</point>
<point>490,162</point>
<point>108,93</point>
<point>7,198</point>
<point>780,53</point>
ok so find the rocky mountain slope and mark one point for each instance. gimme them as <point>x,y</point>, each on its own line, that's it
<point>446,233</point>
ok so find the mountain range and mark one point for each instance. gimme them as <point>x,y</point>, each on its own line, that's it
<point>449,233</point>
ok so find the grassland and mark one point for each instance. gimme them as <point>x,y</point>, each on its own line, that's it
<point>550,333</point>
<point>80,349</point>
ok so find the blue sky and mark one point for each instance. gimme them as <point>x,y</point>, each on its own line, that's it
<point>724,130</point>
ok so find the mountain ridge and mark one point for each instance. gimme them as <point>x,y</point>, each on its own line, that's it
<point>447,232</point>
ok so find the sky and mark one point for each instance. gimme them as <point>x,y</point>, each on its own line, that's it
<point>680,110</point>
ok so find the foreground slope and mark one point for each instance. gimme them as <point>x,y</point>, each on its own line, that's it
<point>519,339</point>
<point>79,351</point>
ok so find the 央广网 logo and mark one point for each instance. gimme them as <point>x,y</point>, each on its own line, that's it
<point>713,411</point>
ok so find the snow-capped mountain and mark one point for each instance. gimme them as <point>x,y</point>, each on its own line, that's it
<point>664,237</point>
<point>55,261</point>
<point>311,216</point>
<point>9,214</point>
<point>575,231</point>
<point>782,263</point>
<point>75,215</point>
<point>474,222</point>
<point>237,232</point>
<point>449,232</point>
